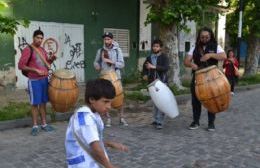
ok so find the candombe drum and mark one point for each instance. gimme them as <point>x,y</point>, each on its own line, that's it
<point>163,98</point>
<point>63,90</point>
<point>112,77</point>
<point>212,89</point>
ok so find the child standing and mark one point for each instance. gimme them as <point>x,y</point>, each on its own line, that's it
<point>229,65</point>
<point>84,136</point>
<point>155,67</point>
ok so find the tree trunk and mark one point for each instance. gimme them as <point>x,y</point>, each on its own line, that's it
<point>252,59</point>
<point>168,36</point>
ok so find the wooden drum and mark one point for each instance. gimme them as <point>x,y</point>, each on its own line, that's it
<point>112,77</point>
<point>63,90</point>
<point>212,89</point>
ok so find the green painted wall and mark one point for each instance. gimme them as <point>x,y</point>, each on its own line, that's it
<point>119,14</point>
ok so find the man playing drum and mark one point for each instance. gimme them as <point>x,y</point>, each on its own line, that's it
<point>155,67</point>
<point>110,57</point>
<point>35,62</point>
<point>205,53</point>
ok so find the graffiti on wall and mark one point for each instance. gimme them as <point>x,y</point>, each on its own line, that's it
<point>51,46</point>
<point>22,43</point>
<point>76,57</point>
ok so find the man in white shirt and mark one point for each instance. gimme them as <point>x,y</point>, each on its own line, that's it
<point>206,53</point>
<point>85,147</point>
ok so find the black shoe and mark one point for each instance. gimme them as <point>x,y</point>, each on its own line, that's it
<point>154,123</point>
<point>211,127</point>
<point>159,126</point>
<point>194,125</point>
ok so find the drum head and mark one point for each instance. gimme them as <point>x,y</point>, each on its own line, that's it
<point>64,74</point>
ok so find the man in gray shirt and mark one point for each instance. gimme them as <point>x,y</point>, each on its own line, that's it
<point>110,57</point>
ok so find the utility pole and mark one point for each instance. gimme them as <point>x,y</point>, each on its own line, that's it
<point>239,29</point>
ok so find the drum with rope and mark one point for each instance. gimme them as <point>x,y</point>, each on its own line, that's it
<point>112,77</point>
<point>212,89</point>
<point>63,90</point>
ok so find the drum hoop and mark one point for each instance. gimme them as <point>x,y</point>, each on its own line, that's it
<point>64,78</point>
<point>205,69</point>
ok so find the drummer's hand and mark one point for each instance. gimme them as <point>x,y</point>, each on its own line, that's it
<point>106,60</point>
<point>97,68</point>
<point>145,77</point>
<point>53,57</point>
<point>41,73</point>
<point>150,66</point>
<point>194,66</point>
<point>205,57</point>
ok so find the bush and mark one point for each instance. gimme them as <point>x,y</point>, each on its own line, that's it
<point>249,80</point>
<point>15,110</point>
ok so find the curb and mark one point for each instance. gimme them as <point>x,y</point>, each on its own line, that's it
<point>25,122</point>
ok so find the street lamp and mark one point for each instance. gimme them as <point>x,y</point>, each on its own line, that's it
<point>239,29</point>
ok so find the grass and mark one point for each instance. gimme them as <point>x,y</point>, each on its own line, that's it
<point>249,80</point>
<point>18,110</point>
<point>15,110</point>
<point>137,96</point>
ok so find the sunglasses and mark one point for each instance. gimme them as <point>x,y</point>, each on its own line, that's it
<point>204,37</point>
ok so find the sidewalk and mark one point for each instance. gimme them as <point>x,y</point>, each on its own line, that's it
<point>21,95</point>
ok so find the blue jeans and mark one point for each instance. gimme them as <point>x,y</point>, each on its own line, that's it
<point>158,115</point>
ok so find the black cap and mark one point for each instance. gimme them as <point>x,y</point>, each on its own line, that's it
<point>107,34</point>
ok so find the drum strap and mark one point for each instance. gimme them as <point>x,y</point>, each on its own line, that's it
<point>41,56</point>
<point>100,57</point>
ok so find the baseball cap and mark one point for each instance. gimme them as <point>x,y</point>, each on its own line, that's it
<point>107,34</point>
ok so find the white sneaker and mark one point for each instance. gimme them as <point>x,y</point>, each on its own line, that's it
<point>108,123</point>
<point>123,122</point>
<point>232,93</point>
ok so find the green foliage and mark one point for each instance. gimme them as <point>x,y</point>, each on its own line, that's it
<point>251,20</point>
<point>133,78</point>
<point>249,80</point>
<point>15,110</point>
<point>9,24</point>
<point>178,12</point>
<point>137,96</point>
<point>177,91</point>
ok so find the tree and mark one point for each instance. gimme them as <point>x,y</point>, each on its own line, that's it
<point>171,16</point>
<point>250,31</point>
<point>9,24</point>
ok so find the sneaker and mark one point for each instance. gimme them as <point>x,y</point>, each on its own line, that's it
<point>35,131</point>
<point>194,125</point>
<point>47,128</point>
<point>154,123</point>
<point>232,93</point>
<point>211,127</point>
<point>159,126</point>
<point>108,123</point>
<point>123,122</point>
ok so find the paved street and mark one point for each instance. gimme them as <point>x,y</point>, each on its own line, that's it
<point>234,144</point>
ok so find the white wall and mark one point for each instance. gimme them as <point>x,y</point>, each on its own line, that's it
<point>66,40</point>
